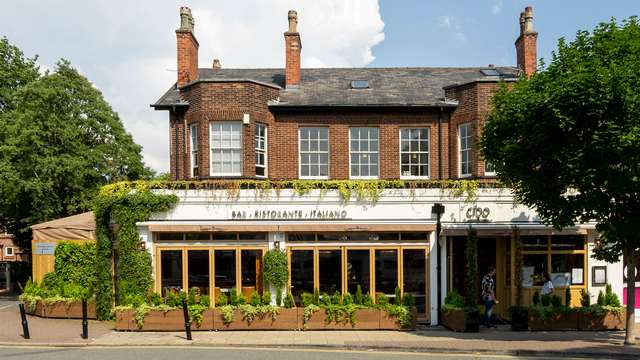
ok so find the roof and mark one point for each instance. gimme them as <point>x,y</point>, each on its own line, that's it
<point>331,87</point>
<point>76,227</point>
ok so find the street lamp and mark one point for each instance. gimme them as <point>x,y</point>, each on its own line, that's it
<point>437,210</point>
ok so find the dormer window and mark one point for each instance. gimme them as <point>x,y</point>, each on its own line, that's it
<point>360,84</point>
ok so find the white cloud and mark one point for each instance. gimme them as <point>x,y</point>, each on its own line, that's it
<point>444,22</point>
<point>450,25</point>
<point>127,48</point>
<point>496,7</point>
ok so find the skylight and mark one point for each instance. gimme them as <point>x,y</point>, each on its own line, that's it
<point>359,84</point>
<point>490,72</point>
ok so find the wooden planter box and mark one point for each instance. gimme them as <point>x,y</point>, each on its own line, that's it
<point>608,321</point>
<point>287,319</point>
<point>461,320</point>
<point>62,310</point>
<point>555,322</point>
<point>156,320</point>
<point>388,322</point>
<point>365,319</point>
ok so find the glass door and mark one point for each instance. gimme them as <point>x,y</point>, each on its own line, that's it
<point>225,271</point>
<point>358,270</point>
<point>301,273</point>
<point>251,272</point>
<point>386,264</point>
<point>330,271</point>
<point>414,278</point>
<point>170,271</point>
<point>198,270</point>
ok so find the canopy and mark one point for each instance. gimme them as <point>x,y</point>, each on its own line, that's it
<point>76,227</point>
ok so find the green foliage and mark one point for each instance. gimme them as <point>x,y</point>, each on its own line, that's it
<point>381,299</point>
<point>358,297</point>
<point>545,300</point>
<point>276,270</point>
<point>600,300</point>
<point>251,312</point>
<point>340,314</point>
<point>233,297</point>
<point>279,298</point>
<point>75,263</point>
<point>336,298</point>
<point>227,313</point>
<point>133,300</point>
<point>454,300</point>
<point>173,299</point>
<point>289,302</point>
<point>610,298</point>
<point>536,298</point>
<point>347,299</point>
<point>222,300</point>
<point>155,299</point>
<point>471,268</point>
<point>59,142</point>
<point>307,299</point>
<point>266,298</point>
<point>367,300</point>
<point>567,297</point>
<point>398,295</point>
<point>325,299</point>
<point>585,298</point>
<point>308,311</point>
<point>255,299</point>
<point>556,301</point>
<point>316,297</point>
<point>403,314</point>
<point>126,208</point>
<point>408,301</point>
<point>196,313</point>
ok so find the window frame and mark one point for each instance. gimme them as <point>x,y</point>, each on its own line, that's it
<point>489,173</point>
<point>193,154</point>
<point>377,152</point>
<point>265,150</point>
<point>469,150</point>
<point>241,148</point>
<point>6,251</point>
<point>319,177</point>
<point>400,152</point>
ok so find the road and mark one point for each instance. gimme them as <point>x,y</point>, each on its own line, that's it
<point>173,353</point>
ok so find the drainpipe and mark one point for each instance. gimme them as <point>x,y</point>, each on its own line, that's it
<point>440,144</point>
<point>176,148</point>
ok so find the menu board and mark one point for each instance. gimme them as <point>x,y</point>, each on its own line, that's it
<point>577,276</point>
<point>527,276</point>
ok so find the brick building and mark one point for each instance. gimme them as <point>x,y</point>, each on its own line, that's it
<point>336,124</point>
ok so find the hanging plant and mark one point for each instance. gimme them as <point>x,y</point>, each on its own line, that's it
<point>276,269</point>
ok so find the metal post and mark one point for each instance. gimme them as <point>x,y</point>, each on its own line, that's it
<point>25,324</point>
<point>85,323</point>
<point>187,323</point>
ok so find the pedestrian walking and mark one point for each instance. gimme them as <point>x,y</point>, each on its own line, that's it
<point>489,296</point>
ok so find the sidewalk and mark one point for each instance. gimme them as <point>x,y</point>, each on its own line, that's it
<point>61,332</point>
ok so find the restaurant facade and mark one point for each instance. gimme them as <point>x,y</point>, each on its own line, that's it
<point>415,128</point>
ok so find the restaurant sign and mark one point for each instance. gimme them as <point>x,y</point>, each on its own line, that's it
<point>272,214</point>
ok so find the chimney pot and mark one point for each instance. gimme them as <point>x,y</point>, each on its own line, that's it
<point>293,21</point>
<point>216,64</point>
<point>186,19</point>
<point>528,19</point>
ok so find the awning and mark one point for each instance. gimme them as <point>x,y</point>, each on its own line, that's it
<point>76,227</point>
<point>309,227</point>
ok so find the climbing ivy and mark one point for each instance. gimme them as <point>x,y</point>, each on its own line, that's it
<point>117,209</point>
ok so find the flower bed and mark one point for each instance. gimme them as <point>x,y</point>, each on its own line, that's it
<point>63,309</point>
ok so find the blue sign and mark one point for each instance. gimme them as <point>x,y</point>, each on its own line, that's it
<point>45,249</point>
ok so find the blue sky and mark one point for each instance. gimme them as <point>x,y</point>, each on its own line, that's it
<point>481,32</point>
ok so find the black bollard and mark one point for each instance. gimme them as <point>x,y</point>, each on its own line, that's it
<point>25,324</point>
<point>85,323</point>
<point>187,323</point>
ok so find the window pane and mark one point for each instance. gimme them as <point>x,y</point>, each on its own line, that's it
<point>198,270</point>
<point>171,270</point>
<point>225,271</point>
<point>251,270</point>
<point>536,265</point>
<point>563,267</point>
<point>301,273</point>
<point>415,277</point>
<point>386,270</point>
<point>330,267</point>
<point>358,271</point>
<point>567,242</point>
<point>534,242</point>
<point>197,236</point>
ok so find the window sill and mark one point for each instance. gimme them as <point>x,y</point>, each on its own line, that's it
<point>313,177</point>
<point>414,177</point>
<point>363,177</point>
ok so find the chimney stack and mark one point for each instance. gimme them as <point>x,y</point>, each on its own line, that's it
<point>293,46</point>
<point>187,48</point>
<point>526,44</point>
<point>216,64</point>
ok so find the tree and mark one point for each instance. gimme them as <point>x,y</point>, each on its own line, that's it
<point>567,141</point>
<point>59,142</point>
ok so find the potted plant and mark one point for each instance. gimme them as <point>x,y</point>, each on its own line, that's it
<point>607,314</point>
<point>552,315</point>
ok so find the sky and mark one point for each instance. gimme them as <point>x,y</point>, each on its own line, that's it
<point>127,48</point>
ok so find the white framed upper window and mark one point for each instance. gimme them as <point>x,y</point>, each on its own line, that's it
<point>363,153</point>
<point>260,143</point>
<point>314,152</point>
<point>8,251</point>
<point>465,143</point>
<point>226,148</point>
<point>489,169</point>
<point>193,147</point>
<point>414,153</point>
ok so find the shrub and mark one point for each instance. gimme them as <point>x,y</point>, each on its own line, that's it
<point>347,299</point>
<point>133,300</point>
<point>307,299</point>
<point>233,297</point>
<point>325,299</point>
<point>381,299</point>
<point>205,301</point>
<point>545,300</point>
<point>336,298</point>
<point>255,299</point>
<point>289,302</point>
<point>358,298</point>
<point>367,300</point>
<point>155,299</point>
<point>266,298</point>
<point>222,300</point>
<point>408,300</point>
<point>275,270</point>
<point>536,299</point>
<point>610,298</point>
<point>316,297</point>
<point>398,294</point>
<point>173,299</point>
<point>585,298</point>
<point>556,301</point>
<point>278,298</point>
<point>567,297</point>
<point>601,298</point>
<point>454,299</point>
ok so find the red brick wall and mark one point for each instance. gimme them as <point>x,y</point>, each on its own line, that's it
<point>293,47</point>
<point>526,53</point>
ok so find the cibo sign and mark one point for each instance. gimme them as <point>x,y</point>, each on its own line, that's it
<point>477,213</point>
